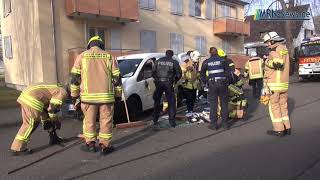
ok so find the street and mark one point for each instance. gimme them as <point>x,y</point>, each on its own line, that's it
<point>186,152</point>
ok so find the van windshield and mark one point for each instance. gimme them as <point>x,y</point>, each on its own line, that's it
<point>128,67</point>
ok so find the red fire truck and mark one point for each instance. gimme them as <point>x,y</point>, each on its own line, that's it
<point>309,58</point>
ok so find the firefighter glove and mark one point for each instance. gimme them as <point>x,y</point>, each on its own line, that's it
<point>277,65</point>
<point>56,124</point>
<point>47,125</point>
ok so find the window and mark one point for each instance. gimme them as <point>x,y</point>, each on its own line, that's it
<point>177,7</point>
<point>6,7</point>
<point>227,11</point>
<point>201,8</point>
<point>176,43</point>
<point>147,4</point>
<point>97,32</point>
<point>201,44</point>
<point>226,46</point>
<point>148,41</point>
<point>7,47</point>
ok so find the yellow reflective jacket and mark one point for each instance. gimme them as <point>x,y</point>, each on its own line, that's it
<point>190,75</point>
<point>277,79</point>
<point>254,67</point>
<point>100,77</point>
<point>42,97</point>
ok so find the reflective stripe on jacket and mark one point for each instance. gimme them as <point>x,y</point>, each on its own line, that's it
<point>40,96</point>
<point>277,79</point>
<point>254,67</point>
<point>99,74</point>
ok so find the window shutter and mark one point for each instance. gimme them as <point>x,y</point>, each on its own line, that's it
<point>173,42</point>
<point>152,4</point>
<point>198,43</point>
<point>174,6</point>
<point>180,7</point>
<point>192,7</point>
<point>209,9</point>
<point>154,41</point>
<point>181,44</point>
<point>115,39</point>
<point>7,47</point>
<point>203,46</point>
<point>143,41</point>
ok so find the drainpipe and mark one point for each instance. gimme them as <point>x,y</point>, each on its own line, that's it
<point>54,39</point>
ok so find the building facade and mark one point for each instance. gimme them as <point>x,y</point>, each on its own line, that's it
<point>42,37</point>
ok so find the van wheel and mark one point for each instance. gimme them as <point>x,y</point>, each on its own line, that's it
<point>134,108</point>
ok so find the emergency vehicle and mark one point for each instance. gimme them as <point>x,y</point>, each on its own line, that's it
<point>309,58</point>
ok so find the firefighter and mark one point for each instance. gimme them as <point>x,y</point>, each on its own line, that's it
<point>229,61</point>
<point>218,75</point>
<point>166,73</point>
<point>254,70</point>
<point>39,103</point>
<point>96,80</point>
<point>276,82</point>
<point>191,81</point>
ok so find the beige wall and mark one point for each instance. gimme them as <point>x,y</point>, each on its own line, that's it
<point>30,25</point>
<point>23,25</point>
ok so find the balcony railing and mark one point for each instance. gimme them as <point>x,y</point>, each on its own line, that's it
<point>118,10</point>
<point>231,26</point>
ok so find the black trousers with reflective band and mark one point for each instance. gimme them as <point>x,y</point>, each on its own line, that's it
<point>218,90</point>
<point>257,85</point>
<point>190,95</point>
<point>167,88</point>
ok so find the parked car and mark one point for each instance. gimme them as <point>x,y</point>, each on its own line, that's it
<point>138,85</point>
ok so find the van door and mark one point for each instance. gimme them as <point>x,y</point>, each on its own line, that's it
<point>146,84</point>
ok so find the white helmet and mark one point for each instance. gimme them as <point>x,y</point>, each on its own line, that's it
<point>195,56</point>
<point>272,36</point>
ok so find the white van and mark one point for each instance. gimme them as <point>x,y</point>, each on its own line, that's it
<point>138,85</point>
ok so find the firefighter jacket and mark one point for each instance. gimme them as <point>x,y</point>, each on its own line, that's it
<point>254,68</point>
<point>231,65</point>
<point>44,98</point>
<point>276,76</point>
<point>166,70</point>
<point>190,75</point>
<point>95,77</point>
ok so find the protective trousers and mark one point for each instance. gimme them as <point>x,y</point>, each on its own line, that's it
<point>90,112</point>
<point>257,85</point>
<point>278,109</point>
<point>30,121</point>
<point>218,90</point>
<point>167,88</point>
<point>190,96</point>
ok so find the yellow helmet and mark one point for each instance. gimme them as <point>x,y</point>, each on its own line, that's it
<point>221,53</point>
<point>95,38</point>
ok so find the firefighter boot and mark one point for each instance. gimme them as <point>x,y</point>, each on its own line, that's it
<point>89,147</point>
<point>19,153</point>
<point>54,138</point>
<point>106,150</point>
<point>288,131</point>
<point>276,133</point>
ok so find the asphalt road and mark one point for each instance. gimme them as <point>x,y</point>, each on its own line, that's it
<point>186,152</point>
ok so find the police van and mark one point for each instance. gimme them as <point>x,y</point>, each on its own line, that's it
<point>308,56</point>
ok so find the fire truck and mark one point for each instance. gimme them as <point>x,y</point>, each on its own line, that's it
<point>308,57</point>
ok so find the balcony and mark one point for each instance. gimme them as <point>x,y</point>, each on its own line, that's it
<point>116,10</point>
<point>229,26</point>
